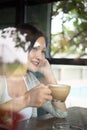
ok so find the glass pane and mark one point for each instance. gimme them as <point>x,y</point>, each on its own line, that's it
<point>68,29</point>
<point>40,15</point>
<point>7,17</point>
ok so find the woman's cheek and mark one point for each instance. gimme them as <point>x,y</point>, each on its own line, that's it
<point>42,62</point>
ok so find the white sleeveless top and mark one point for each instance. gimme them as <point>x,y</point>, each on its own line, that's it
<point>26,112</point>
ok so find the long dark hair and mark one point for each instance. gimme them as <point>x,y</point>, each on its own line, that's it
<point>33,33</point>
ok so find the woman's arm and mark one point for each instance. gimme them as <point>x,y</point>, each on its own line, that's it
<point>55,111</point>
<point>15,104</point>
<point>35,97</point>
<point>46,70</point>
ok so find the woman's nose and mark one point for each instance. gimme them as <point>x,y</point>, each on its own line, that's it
<point>39,55</point>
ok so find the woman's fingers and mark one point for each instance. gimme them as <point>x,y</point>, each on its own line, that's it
<point>39,95</point>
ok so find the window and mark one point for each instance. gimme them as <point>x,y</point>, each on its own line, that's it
<point>69,32</point>
<point>64,23</point>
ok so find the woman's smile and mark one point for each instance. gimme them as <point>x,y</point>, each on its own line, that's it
<point>35,62</point>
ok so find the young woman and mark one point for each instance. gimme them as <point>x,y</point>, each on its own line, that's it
<point>26,94</point>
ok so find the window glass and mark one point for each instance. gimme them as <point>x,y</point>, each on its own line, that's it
<point>7,17</point>
<point>68,29</point>
<point>64,23</point>
<point>40,15</point>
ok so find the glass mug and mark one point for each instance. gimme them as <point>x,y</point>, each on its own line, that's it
<point>59,91</point>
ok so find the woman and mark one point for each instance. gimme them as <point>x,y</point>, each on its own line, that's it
<point>26,94</point>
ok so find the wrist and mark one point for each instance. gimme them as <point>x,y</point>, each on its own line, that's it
<point>56,100</point>
<point>26,100</point>
<point>50,80</point>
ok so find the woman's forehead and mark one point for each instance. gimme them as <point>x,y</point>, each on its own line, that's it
<point>40,42</point>
<point>37,44</point>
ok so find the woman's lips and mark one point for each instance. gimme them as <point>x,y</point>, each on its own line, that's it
<point>35,63</point>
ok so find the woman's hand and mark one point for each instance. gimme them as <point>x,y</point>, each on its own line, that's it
<point>37,96</point>
<point>46,70</point>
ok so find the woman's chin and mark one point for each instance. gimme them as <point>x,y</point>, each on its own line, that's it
<point>34,70</point>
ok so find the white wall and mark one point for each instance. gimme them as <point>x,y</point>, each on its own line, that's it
<point>69,72</point>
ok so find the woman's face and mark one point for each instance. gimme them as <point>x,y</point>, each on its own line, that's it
<point>36,56</point>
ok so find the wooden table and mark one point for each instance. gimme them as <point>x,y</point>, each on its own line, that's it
<point>76,116</point>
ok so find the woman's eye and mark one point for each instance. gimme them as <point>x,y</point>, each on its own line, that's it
<point>34,48</point>
<point>44,52</point>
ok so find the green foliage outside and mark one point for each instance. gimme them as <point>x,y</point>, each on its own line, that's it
<point>70,41</point>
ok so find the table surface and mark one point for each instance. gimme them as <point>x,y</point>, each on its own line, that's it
<point>76,116</point>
